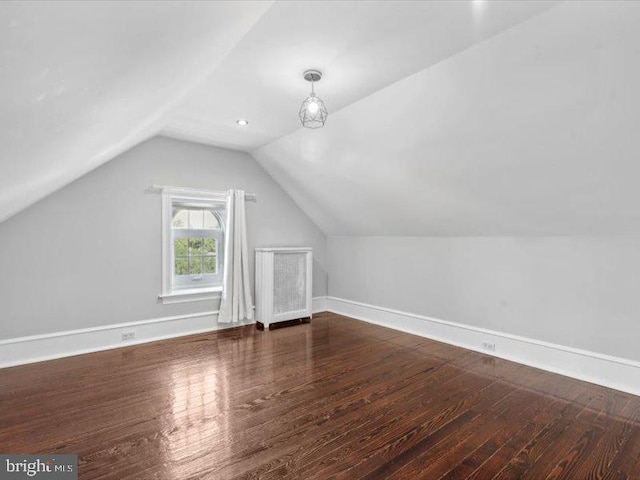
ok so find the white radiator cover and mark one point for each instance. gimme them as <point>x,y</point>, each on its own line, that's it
<point>283,284</point>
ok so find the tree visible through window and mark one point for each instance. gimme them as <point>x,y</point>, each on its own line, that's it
<point>197,245</point>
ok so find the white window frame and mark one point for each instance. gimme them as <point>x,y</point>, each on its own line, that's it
<point>178,293</point>
<point>186,282</point>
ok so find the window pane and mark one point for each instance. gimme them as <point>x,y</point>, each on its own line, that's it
<point>196,219</point>
<point>195,265</point>
<point>209,245</point>
<point>181,266</point>
<point>195,246</point>
<point>209,264</point>
<point>211,221</point>
<point>180,247</point>
<point>180,218</point>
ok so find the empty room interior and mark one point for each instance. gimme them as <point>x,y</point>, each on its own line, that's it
<point>320,240</point>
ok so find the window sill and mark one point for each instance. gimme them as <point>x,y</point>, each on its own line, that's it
<point>193,295</point>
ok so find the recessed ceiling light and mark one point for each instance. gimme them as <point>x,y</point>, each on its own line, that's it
<point>242,122</point>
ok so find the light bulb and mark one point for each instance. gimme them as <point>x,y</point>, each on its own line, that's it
<point>313,107</point>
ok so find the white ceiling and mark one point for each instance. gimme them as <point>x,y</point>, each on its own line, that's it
<point>80,82</point>
<point>532,132</point>
<point>446,118</point>
<point>361,46</point>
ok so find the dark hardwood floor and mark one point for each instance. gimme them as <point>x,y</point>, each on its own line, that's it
<point>336,398</point>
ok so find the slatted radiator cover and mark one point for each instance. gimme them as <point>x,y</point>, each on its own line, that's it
<point>283,284</point>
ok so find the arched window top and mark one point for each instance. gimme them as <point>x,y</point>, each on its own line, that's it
<point>195,219</point>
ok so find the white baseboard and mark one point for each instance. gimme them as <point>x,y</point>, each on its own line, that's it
<point>49,346</point>
<point>614,372</point>
<point>36,348</point>
<point>319,304</point>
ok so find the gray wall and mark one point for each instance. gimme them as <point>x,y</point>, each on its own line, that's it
<point>89,254</point>
<point>575,291</point>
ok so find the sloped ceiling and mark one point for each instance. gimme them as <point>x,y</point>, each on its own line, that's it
<point>80,82</point>
<point>532,132</point>
<point>360,47</point>
<point>446,118</point>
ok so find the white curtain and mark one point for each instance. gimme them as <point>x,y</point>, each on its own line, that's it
<point>236,304</point>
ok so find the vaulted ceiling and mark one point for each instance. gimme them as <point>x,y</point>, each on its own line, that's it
<point>446,118</point>
<point>360,46</point>
<point>532,132</point>
<point>81,82</point>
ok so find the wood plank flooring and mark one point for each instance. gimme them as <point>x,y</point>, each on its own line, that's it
<point>334,399</point>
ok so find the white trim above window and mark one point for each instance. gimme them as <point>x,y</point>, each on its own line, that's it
<point>249,197</point>
<point>201,280</point>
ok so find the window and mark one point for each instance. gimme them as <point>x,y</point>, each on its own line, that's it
<point>193,246</point>
<point>197,240</point>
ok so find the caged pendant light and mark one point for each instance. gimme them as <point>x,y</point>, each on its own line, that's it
<point>312,112</point>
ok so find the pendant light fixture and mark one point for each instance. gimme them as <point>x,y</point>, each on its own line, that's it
<point>312,112</point>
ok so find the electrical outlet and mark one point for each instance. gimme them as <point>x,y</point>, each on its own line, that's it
<point>489,346</point>
<point>128,336</point>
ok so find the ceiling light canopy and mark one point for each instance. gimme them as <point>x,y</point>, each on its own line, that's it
<point>242,122</point>
<point>312,112</point>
